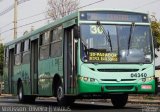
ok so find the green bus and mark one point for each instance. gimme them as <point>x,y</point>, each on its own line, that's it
<point>87,54</point>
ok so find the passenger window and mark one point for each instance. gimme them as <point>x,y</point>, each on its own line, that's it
<point>18,54</point>
<point>44,45</point>
<point>26,52</point>
<point>6,55</point>
<point>57,34</point>
<point>44,38</point>
<point>18,48</point>
<point>26,45</point>
<point>56,44</point>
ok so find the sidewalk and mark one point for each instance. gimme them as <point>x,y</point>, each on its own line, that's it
<point>7,96</point>
<point>144,99</point>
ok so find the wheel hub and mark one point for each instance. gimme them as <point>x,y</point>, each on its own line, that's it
<point>20,93</point>
<point>59,93</point>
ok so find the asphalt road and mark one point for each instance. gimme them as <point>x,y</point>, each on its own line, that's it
<point>12,105</point>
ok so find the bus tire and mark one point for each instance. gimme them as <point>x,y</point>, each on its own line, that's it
<point>21,96</point>
<point>119,100</point>
<point>61,99</point>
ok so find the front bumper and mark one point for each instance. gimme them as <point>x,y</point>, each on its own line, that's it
<point>85,87</point>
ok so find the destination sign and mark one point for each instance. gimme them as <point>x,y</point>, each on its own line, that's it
<point>100,56</point>
<point>113,16</point>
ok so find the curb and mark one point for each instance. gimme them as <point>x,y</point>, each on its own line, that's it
<point>7,96</point>
<point>144,102</point>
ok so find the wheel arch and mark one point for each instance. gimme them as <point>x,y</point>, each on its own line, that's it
<point>56,80</point>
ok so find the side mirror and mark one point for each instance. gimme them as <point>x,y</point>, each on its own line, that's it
<point>76,32</point>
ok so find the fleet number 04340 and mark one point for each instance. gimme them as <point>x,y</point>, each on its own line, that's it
<point>138,74</point>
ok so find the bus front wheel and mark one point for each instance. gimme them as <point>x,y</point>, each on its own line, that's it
<point>62,99</point>
<point>60,95</point>
<point>119,100</point>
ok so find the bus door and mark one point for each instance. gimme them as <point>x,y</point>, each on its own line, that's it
<point>34,66</point>
<point>69,61</point>
<point>10,70</point>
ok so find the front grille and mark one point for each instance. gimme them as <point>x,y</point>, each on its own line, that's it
<point>119,87</point>
<point>108,79</point>
<point>128,79</point>
<point>117,70</point>
<point>116,79</point>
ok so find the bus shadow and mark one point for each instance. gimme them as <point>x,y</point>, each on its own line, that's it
<point>84,106</point>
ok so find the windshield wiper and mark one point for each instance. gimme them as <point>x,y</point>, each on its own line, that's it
<point>130,35</point>
<point>106,34</point>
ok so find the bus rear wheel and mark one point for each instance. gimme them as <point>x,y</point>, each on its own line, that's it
<point>119,100</point>
<point>61,100</point>
<point>21,96</point>
<point>24,98</point>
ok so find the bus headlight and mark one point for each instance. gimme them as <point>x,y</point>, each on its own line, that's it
<point>87,79</point>
<point>147,79</point>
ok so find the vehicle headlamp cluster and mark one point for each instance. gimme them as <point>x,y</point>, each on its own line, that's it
<point>86,79</point>
<point>147,79</point>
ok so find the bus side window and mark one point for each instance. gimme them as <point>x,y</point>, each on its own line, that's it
<point>56,44</point>
<point>44,45</point>
<point>18,54</point>
<point>26,45</point>
<point>26,51</point>
<point>41,39</point>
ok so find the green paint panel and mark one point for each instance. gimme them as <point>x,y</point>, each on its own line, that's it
<point>22,72</point>
<point>69,23</point>
<point>26,80</point>
<point>44,81</point>
<point>88,87</point>
<point>34,37</point>
<point>17,73</point>
<point>47,69</point>
<point>5,80</point>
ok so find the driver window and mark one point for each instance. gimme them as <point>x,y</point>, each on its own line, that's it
<point>140,40</point>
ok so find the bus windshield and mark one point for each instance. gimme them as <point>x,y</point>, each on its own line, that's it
<point>119,43</point>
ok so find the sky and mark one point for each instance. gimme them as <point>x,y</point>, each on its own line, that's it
<point>33,7</point>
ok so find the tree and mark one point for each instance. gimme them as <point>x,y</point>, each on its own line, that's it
<point>155,25</point>
<point>60,8</point>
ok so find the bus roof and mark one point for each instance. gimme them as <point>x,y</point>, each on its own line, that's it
<point>61,21</point>
<point>118,10</point>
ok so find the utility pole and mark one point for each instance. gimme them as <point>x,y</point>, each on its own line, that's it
<point>15,18</point>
